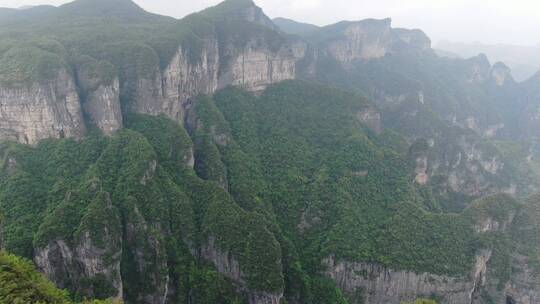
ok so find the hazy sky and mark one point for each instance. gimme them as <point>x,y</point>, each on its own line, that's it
<point>488,21</point>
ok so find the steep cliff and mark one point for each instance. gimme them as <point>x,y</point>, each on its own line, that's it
<point>222,180</point>
<point>499,274</point>
<point>36,110</point>
<point>99,89</point>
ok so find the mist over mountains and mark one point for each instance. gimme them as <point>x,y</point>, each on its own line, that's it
<point>523,60</point>
<point>230,158</point>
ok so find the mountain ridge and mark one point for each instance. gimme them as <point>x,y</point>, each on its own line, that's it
<point>218,159</point>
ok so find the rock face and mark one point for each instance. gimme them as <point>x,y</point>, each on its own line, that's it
<point>371,119</point>
<point>184,79</point>
<point>374,284</point>
<point>100,97</point>
<point>501,74</point>
<point>149,260</point>
<point>253,68</point>
<point>224,261</point>
<point>50,109</point>
<point>479,69</point>
<point>103,108</point>
<point>368,39</point>
<point>372,39</point>
<point>414,38</point>
<point>92,261</point>
<point>227,265</point>
<point>380,285</point>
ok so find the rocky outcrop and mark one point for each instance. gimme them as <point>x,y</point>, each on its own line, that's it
<point>421,172</point>
<point>376,284</point>
<point>147,259</point>
<point>381,285</point>
<point>168,92</point>
<point>367,39</point>
<point>254,68</point>
<point>34,111</point>
<point>103,108</point>
<point>371,39</point>
<point>371,119</point>
<point>56,261</point>
<point>90,265</point>
<point>224,262</point>
<point>185,78</point>
<point>414,38</point>
<point>228,265</point>
<point>478,69</point>
<point>501,74</point>
<point>100,95</point>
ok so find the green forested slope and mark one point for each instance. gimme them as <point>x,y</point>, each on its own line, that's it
<point>20,283</point>
<point>305,180</point>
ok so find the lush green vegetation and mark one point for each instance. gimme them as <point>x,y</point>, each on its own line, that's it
<point>279,181</point>
<point>355,202</point>
<point>20,283</point>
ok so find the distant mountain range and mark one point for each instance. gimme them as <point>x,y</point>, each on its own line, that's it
<point>229,158</point>
<point>523,60</point>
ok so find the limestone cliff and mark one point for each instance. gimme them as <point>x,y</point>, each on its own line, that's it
<point>380,285</point>
<point>369,39</point>
<point>30,112</point>
<point>253,67</point>
<point>375,284</point>
<point>99,88</point>
<point>228,265</point>
<point>89,264</point>
<point>501,74</point>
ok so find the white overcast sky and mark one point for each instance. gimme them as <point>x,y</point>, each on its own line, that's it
<point>488,21</point>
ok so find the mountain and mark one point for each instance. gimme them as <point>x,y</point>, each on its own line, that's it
<point>225,158</point>
<point>292,27</point>
<point>522,59</point>
<point>21,283</point>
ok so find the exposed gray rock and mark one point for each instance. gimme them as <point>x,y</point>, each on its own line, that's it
<point>56,261</point>
<point>147,97</point>
<point>184,79</point>
<point>103,108</point>
<point>224,262</point>
<point>479,69</point>
<point>228,266</point>
<point>381,285</point>
<point>50,109</point>
<point>100,95</point>
<point>371,119</point>
<point>254,68</point>
<point>372,39</point>
<point>501,74</point>
<point>367,39</point>
<point>422,176</point>
<point>95,255</point>
<point>99,253</point>
<point>414,38</point>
